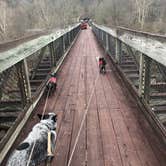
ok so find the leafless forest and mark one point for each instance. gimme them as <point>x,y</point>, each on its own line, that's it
<point>24,17</point>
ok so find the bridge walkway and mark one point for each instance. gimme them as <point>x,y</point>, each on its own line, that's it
<point>115,132</point>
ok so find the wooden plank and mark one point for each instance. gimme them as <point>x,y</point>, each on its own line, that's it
<point>95,154</point>
<point>113,134</point>
<point>79,155</point>
<point>131,115</point>
<point>66,140</point>
<point>131,136</point>
<point>110,147</point>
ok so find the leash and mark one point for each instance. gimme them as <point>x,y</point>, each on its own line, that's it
<point>46,101</point>
<point>44,110</point>
<point>82,122</point>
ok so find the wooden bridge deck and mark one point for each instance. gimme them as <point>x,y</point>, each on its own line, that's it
<point>115,132</point>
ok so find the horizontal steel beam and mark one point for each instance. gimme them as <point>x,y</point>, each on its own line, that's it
<point>151,45</point>
<point>110,31</point>
<point>158,37</point>
<point>15,55</point>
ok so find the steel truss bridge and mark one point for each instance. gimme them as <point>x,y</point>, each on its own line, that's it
<point>126,107</point>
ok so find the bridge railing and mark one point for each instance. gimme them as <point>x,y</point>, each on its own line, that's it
<point>24,71</point>
<point>30,62</point>
<point>141,60</point>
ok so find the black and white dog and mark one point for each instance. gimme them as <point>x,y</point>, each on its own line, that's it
<point>36,142</point>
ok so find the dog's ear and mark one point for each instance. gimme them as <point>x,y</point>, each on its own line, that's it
<point>46,116</point>
<point>54,118</point>
<point>39,116</point>
<point>23,146</point>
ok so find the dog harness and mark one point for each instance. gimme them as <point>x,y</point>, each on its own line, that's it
<point>52,80</point>
<point>100,62</point>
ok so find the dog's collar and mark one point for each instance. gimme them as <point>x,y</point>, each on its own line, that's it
<point>49,127</point>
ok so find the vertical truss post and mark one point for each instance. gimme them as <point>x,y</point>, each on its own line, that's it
<point>104,38</point>
<point>63,43</point>
<point>98,33</point>
<point>101,33</point>
<point>74,33</point>
<point>52,54</point>
<point>28,87</point>
<point>141,74</point>
<point>1,85</point>
<point>55,52</point>
<point>118,50</point>
<point>144,77</point>
<point>99,36</point>
<point>130,52</point>
<point>24,83</point>
<point>113,45</point>
<point>107,42</point>
<point>67,40</point>
<point>41,55</point>
<point>69,37</point>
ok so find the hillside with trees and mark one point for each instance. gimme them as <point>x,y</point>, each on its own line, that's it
<point>19,18</point>
<point>147,15</point>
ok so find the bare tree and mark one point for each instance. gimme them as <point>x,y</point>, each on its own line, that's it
<point>17,16</point>
<point>3,17</point>
<point>142,7</point>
